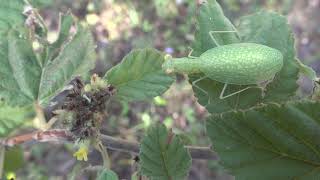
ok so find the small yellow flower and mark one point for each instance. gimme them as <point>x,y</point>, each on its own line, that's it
<point>81,154</point>
<point>11,176</point>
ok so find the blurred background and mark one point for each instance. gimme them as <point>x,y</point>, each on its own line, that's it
<point>119,26</point>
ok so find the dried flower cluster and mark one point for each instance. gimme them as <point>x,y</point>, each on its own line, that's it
<point>87,108</point>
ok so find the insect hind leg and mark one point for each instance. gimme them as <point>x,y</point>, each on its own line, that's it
<point>234,93</point>
<point>194,83</point>
<point>190,54</point>
<point>211,34</point>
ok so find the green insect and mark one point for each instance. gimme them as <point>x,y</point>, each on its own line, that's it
<point>239,64</point>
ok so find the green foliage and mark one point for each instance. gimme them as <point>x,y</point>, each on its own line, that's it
<point>25,79</point>
<point>272,30</point>
<point>163,156</point>
<point>139,76</point>
<point>76,58</point>
<point>211,18</point>
<point>13,117</point>
<point>11,15</point>
<point>159,101</point>
<point>65,22</point>
<point>20,70</point>
<point>255,135</point>
<point>107,175</point>
<point>255,28</point>
<point>28,76</point>
<point>13,159</point>
<point>40,3</point>
<point>269,142</point>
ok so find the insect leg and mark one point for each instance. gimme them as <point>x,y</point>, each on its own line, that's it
<point>190,53</point>
<point>214,40</point>
<point>194,83</point>
<point>229,95</point>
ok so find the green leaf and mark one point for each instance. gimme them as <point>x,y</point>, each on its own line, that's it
<point>107,175</point>
<point>10,15</point>
<point>13,159</point>
<point>75,59</point>
<point>163,156</point>
<point>66,22</point>
<point>19,69</point>
<point>12,117</point>
<point>272,30</point>
<point>211,18</point>
<point>139,76</point>
<point>255,28</point>
<point>270,142</point>
<point>41,3</point>
<point>24,79</point>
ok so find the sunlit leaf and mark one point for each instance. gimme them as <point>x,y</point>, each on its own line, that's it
<point>139,76</point>
<point>26,79</point>
<point>76,58</point>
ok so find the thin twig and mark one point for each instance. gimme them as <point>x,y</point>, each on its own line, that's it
<point>133,147</point>
<point>2,153</point>
<point>104,154</point>
<point>109,142</point>
<point>38,136</point>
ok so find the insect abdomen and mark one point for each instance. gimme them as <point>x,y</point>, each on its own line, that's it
<point>241,63</point>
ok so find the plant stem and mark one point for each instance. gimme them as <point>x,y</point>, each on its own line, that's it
<point>109,142</point>
<point>2,153</point>
<point>104,154</point>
